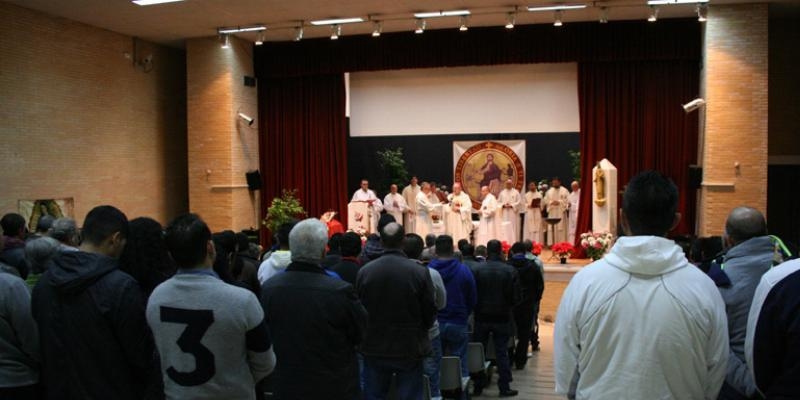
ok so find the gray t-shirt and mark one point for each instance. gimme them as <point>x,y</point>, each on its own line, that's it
<point>211,337</point>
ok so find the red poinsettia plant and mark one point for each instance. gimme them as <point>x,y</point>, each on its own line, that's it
<point>563,249</point>
<point>505,247</point>
<point>537,248</point>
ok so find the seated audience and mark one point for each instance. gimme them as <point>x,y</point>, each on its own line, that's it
<point>348,265</point>
<point>145,257</point>
<point>211,336</point>
<point>461,299</point>
<point>66,232</point>
<point>14,232</point>
<point>93,334</point>
<point>398,296</point>
<point>19,338</point>
<point>498,292</point>
<point>771,345</point>
<point>316,323</point>
<point>642,323</point>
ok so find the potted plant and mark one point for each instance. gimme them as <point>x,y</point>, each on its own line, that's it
<point>596,244</point>
<point>562,250</point>
<point>283,209</point>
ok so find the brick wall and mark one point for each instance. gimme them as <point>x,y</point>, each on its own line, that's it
<point>736,89</point>
<point>222,147</point>
<point>78,120</point>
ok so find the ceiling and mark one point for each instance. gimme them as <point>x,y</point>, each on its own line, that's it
<point>172,23</point>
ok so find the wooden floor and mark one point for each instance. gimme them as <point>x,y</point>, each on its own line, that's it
<point>536,381</point>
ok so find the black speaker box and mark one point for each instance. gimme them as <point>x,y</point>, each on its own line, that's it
<point>253,180</point>
<point>695,176</point>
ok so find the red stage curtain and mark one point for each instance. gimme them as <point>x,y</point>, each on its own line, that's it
<point>631,114</point>
<point>304,141</point>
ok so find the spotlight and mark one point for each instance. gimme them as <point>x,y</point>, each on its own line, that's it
<point>702,12</point>
<point>462,22</point>
<point>557,18</point>
<point>226,44</point>
<point>511,19</point>
<point>653,14</point>
<point>298,33</point>
<point>336,30</point>
<point>693,105</point>
<point>420,26</point>
<point>603,15</point>
<point>246,118</point>
<point>377,28</point>
<point>260,38</point>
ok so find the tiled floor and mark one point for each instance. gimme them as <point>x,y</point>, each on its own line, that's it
<point>536,381</point>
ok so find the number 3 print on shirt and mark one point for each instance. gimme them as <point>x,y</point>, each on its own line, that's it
<point>197,323</point>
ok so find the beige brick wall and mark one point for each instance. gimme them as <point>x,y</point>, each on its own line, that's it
<point>736,89</point>
<point>221,146</point>
<point>78,120</point>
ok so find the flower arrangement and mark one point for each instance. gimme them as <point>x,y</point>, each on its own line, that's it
<point>596,243</point>
<point>537,248</point>
<point>505,247</point>
<point>283,209</point>
<point>562,249</point>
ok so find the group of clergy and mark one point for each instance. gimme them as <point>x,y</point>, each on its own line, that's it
<point>424,209</point>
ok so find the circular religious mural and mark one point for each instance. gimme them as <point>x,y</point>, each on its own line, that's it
<point>488,164</point>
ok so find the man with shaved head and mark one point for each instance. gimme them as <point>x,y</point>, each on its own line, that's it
<point>749,256</point>
<point>398,295</point>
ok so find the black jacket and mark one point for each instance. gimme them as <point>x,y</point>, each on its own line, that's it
<point>398,295</point>
<point>530,279</point>
<point>14,255</point>
<point>498,291</point>
<point>315,322</point>
<point>347,268</point>
<point>95,342</point>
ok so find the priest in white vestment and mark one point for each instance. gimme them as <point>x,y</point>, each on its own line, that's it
<point>486,229</point>
<point>574,200</point>
<point>556,202</point>
<point>394,204</point>
<point>509,201</point>
<point>366,194</point>
<point>532,228</point>
<point>424,223</point>
<point>410,196</point>
<point>458,214</point>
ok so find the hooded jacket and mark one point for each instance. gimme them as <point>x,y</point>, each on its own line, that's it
<point>641,323</point>
<point>275,264</point>
<point>461,290</point>
<point>94,338</point>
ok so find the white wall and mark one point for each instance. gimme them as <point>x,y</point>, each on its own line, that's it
<point>526,98</point>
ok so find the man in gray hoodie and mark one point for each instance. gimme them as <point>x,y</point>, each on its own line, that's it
<point>750,255</point>
<point>279,259</point>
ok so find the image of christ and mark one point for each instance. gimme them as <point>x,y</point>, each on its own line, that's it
<point>490,171</point>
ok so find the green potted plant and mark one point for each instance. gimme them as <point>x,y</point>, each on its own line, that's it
<point>283,209</point>
<point>393,167</point>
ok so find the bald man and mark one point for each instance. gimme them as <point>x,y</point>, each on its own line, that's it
<point>749,256</point>
<point>458,214</point>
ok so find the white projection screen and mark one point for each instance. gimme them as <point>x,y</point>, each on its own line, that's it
<point>527,98</point>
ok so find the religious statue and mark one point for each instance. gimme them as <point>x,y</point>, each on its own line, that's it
<point>600,186</point>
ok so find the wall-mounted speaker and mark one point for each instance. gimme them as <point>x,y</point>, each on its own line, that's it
<point>253,180</point>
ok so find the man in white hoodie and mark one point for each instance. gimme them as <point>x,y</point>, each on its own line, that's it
<point>279,259</point>
<point>642,323</point>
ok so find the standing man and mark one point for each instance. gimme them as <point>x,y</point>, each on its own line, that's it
<point>211,336</point>
<point>398,296</point>
<point>509,200</point>
<point>532,229</point>
<point>556,202</point>
<point>15,230</point>
<point>394,204</point>
<point>91,316</point>
<point>461,299</point>
<point>424,206</point>
<point>498,292</point>
<point>642,323</point>
<point>531,288</point>
<point>316,322</point>
<point>750,255</point>
<point>410,196</point>
<point>574,200</point>
<point>367,195</point>
<point>458,219</point>
<point>486,229</point>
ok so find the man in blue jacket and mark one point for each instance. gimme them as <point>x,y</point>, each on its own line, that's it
<point>461,299</point>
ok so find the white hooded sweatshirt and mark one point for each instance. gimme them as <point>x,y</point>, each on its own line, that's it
<point>641,323</point>
<point>275,264</point>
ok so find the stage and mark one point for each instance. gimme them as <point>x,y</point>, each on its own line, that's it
<point>556,278</point>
